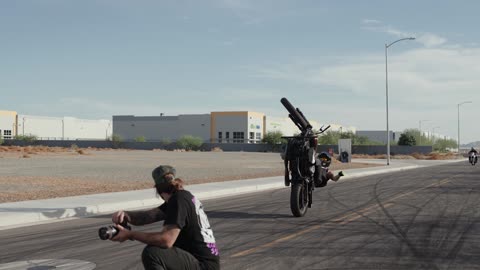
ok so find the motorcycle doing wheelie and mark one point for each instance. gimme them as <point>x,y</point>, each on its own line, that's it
<point>299,160</point>
<point>472,158</point>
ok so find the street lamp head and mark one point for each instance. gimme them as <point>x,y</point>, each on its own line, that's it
<point>465,102</point>
<point>398,40</point>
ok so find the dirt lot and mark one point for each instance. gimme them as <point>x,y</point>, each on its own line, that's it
<point>30,173</point>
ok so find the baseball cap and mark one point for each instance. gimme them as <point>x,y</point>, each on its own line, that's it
<point>159,173</point>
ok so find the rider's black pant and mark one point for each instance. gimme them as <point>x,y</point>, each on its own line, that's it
<point>157,258</point>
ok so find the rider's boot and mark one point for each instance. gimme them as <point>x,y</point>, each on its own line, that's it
<point>337,177</point>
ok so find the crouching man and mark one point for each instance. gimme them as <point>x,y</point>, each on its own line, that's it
<point>186,240</point>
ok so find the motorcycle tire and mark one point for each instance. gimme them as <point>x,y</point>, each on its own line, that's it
<point>298,200</point>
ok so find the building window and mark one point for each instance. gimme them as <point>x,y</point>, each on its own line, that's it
<point>238,137</point>
<point>220,137</point>
<point>258,137</point>
<point>251,137</point>
<point>7,134</point>
<point>227,136</point>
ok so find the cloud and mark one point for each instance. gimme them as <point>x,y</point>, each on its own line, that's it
<point>425,83</point>
<point>238,5</point>
<point>431,40</point>
<point>427,39</point>
<point>370,21</point>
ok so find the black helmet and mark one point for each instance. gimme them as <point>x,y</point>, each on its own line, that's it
<point>325,159</point>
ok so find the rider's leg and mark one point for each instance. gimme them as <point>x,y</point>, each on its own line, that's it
<point>317,180</point>
<point>157,258</point>
<point>335,177</point>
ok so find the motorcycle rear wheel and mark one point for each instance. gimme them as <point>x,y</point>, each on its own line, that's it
<point>298,200</point>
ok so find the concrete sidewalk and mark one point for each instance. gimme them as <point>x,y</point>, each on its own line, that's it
<point>27,213</point>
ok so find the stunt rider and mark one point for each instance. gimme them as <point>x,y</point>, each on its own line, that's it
<point>322,172</point>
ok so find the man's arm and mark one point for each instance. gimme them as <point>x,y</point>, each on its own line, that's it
<point>139,218</point>
<point>165,239</point>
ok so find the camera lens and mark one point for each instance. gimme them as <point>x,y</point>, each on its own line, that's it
<point>111,231</point>
<point>106,233</point>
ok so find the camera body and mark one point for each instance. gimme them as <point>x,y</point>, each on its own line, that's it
<point>108,232</point>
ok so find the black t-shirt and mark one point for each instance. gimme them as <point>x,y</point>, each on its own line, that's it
<point>196,236</point>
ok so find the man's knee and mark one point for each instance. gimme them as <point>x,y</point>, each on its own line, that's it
<point>153,258</point>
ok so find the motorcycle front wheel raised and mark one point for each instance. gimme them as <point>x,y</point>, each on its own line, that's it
<point>298,200</point>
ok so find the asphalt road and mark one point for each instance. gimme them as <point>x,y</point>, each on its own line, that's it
<point>426,218</point>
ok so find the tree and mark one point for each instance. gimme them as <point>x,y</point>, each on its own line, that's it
<point>274,139</point>
<point>329,137</point>
<point>332,137</point>
<point>442,145</point>
<point>407,139</point>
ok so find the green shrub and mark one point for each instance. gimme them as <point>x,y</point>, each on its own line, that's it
<point>166,141</point>
<point>116,141</point>
<point>1,141</point>
<point>189,142</point>
<point>26,138</point>
<point>140,139</point>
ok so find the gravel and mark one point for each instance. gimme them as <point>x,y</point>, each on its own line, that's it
<point>43,175</point>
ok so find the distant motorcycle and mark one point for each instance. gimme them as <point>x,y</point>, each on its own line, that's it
<point>472,158</point>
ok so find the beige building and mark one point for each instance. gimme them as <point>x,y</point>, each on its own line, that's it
<point>8,124</point>
<point>237,127</point>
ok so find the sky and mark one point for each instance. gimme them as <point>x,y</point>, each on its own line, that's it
<point>94,59</point>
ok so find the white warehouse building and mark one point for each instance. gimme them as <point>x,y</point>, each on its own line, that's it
<point>53,128</point>
<point>64,128</point>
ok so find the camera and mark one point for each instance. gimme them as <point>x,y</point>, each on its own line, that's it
<point>111,231</point>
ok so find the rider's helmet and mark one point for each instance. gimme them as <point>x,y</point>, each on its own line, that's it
<point>325,159</point>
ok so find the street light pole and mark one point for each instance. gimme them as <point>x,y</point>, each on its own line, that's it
<point>420,128</point>
<point>458,115</point>
<point>433,135</point>
<point>386,90</point>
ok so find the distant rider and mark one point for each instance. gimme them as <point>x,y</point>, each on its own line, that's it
<point>475,152</point>
<point>322,172</point>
